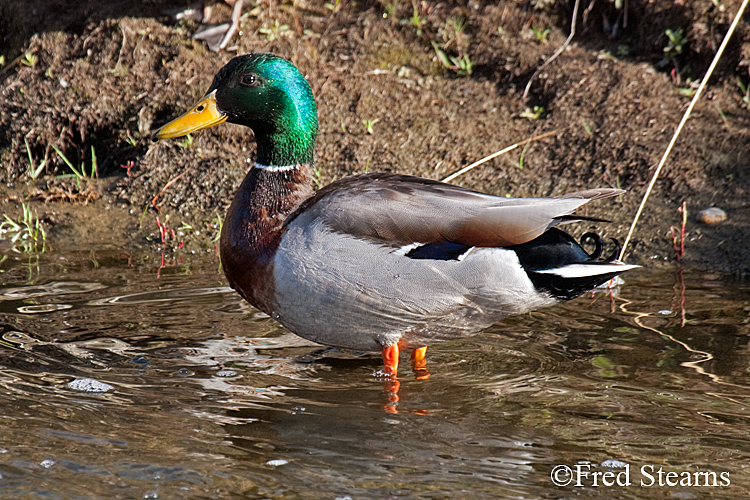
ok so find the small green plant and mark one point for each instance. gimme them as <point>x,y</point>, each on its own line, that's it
<point>463,65</point>
<point>186,142</point>
<point>686,91</point>
<point>390,9</point>
<point>416,20</point>
<point>745,89</point>
<point>369,124</point>
<point>29,59</point>
<point>94,164</point>
<point>535,113</point>
<point>143,215</point>
<point>218,223</point>
<point>34,171</point>
<point>78,173</point>
<point>541,35</point>
<point>674,48</point>
<point>721,114</point>
<point>587,128</point>
<point>276,31</point>
<point>523,154</point>
<point>317,172</point>
<point>334,7</point>
<point>26,233</point>
<point>131,141</point>
<point>457,24</point>
<point>453,32</point>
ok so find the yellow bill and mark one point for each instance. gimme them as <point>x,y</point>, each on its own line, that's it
<point>205,114</point>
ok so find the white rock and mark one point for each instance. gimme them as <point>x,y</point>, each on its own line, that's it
<point>712,215</point>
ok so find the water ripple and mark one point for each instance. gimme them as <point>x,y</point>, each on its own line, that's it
<point>161,296</point>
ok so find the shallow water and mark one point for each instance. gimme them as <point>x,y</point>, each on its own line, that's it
<point>210,399</point>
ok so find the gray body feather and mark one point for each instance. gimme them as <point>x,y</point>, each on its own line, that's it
<point>343,276</point>
<point>347,292</point>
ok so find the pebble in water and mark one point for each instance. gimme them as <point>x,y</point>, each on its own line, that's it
<point>614,464</point>
<point>277,462</point>
<point>47,463</point>
<point>89,385</point>
<point>712,215</point>
<point>140,359</point>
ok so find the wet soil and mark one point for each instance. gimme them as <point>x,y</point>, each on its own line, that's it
<point>96,78</point>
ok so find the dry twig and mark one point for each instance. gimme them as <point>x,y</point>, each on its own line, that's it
<point>498,153</point>
<point>558,51</point>
<point>166,186</point>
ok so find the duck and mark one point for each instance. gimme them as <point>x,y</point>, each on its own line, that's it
<point>380,262</point>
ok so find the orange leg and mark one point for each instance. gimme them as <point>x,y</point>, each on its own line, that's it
<point>419,364</point>
<point>390,360</point>
<point>390,368</point>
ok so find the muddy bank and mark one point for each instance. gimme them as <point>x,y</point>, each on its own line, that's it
<point>95,79</point>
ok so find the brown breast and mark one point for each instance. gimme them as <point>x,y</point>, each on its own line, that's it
<point>253,227</point>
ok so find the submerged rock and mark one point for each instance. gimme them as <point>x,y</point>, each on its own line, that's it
<point>89,385</point>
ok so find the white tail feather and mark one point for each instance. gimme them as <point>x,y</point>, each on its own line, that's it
<point>586,270</point>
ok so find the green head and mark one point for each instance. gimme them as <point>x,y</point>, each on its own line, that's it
<point>266,93</point>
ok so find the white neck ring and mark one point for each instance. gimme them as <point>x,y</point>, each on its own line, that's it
<point>275,168</point>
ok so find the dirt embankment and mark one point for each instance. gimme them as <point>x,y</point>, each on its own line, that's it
<point>422,88</point>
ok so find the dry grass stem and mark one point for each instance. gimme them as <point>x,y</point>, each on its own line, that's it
<point>498,153</point>
<point>558,51</point>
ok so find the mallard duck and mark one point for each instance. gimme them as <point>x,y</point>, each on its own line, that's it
<point>378,261</point>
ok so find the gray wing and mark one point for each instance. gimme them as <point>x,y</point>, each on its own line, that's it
<point>400,210</point>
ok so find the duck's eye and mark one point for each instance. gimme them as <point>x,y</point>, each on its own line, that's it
<point>250,80</point>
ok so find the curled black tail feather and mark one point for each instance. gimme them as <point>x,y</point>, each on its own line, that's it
<point>556,249</point>
<point>596,254</point>
<point>599,245</point>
